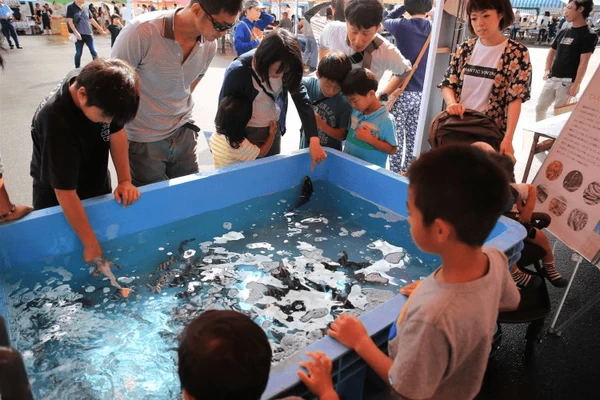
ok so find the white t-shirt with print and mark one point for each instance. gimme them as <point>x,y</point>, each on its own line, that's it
<point>480,73</point>
<point>386,57</point>
<point>224,155</point>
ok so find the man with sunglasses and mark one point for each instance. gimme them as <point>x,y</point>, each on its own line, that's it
<point>171,51</point>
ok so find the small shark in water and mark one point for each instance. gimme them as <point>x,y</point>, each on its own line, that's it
<point>103,266</point>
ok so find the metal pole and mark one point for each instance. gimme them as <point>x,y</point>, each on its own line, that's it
<point>579,259</point>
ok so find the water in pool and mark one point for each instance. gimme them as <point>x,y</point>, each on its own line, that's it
<point>291,269</point>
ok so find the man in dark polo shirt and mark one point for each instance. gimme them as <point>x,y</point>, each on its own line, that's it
<point>73,130</point>
<point>568,58</point>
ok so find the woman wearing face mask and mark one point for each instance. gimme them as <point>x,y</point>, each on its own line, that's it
<point>489,73</point>
<point>264,77</point>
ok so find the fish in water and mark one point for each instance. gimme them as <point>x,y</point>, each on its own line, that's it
<point>307,191</point>
<point>103,266</point>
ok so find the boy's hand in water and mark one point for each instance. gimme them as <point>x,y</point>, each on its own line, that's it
<point>318,380</point>
<point>349,331</point>
<point>126,193</point>
<point>317,154</point>
<point>408,289</point>
<point>92,252</point>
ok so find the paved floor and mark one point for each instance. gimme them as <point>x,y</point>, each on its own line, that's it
<point>566,367</point>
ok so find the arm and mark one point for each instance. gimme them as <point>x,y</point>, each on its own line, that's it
<point>307,116</point>
<point>549,61</point>
<point>125,191</point>
<point>264,149</point>
<point>583,64</point>
<point>242,40</point>
<point>513,113</point>
<point>394,83</point>
<point>77,218</point>
<point>73,28</point>
<point>314,10</point>
<point>97,26</point>
<point>336,133</point>
<point>526,210</point>
<point>394,20</point>
<point>452,106</point>
<point>452,81</point>
<point>195,83</point>
<point>264,20</point>
<point>363,133</point>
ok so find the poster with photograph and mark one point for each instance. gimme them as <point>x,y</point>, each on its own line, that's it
<point>568,183</point>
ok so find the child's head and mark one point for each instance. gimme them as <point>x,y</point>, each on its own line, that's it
<point>223,355</point>
<point>418,7</point>
<point>363,20</point>
<point>331,72</point>
<point>456,193</point>
<point>114,19</point>
<point>360,87</point>
<point>232,117</point>
<point>108,90</point>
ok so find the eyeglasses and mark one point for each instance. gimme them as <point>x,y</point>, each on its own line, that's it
<point>219,27</point>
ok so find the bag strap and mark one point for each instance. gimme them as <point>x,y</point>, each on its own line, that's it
<point>257,79</point>
<point>396,93</point>
<point>317,102</point>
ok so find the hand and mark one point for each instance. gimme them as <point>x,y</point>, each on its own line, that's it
<point>524,217</point>
<point>317,154</point>
<point>91,252</point>
<point>363,133</point>
<point>573,90</point>
<point>320,121</point>
<point>456,109</point>
<point>126,193</point>
<point>319,382</point>
<point>78,36</point>
<point>408,289</point>
<point>546,75</point>
<point>506,147</point>
<point>103,32</point>
<point>349,331</point>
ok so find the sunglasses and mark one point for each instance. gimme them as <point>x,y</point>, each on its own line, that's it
<point>219,27</point>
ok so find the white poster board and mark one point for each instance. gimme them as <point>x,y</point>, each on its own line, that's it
<point>568,183</point>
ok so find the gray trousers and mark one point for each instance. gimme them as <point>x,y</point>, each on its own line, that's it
<point>555,90</point>
<point>258,136</point>
<point>169,158</point>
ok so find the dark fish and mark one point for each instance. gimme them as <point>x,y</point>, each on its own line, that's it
<point>183,244</point>
<point>307,191</point>
<point>344,262</point>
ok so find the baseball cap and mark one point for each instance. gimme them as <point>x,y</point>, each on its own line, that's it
<point>252,4</point>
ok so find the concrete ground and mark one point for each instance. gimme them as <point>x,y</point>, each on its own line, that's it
<point>565,367</point>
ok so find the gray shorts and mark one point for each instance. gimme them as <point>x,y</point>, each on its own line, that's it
<point>258,136</point>
<point>169,158</point>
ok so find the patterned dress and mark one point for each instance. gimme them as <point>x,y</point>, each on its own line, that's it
<point>512,82</point>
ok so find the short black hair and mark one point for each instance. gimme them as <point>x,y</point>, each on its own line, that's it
<point>461,185</point>
<point>283,46</point>
<point>588,6</point>
<point>334,66</point>
<point>224,355</point>
<point>214,7</point>
<point>359,81</point>
<point>502,7</point>
<point>113,86</point>
<point>504,162</point>
<point>414,7</point>
<point>232,117</point>
<point>364,14</point>
<point>114,16</point>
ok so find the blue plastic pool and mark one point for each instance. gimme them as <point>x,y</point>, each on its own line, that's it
<point>39,240</point>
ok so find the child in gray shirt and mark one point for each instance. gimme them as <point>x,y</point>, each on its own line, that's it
<point>440,344</point>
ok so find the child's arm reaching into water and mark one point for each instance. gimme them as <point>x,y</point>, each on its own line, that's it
<point>336,133</point>
<point>525,210</point>
<point>363,133</point>
<point>264,149</point>
<point>350,332</point>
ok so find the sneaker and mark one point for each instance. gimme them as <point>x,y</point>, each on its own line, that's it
<point>12,47</point>
<point>552,274</point>
<point>526,281</point>
<point>19,47</point>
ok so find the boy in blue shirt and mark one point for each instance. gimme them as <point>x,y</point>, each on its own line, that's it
<point>371,132</point>
<point>332,110</point>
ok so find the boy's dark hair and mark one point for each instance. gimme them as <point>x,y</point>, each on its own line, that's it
<point>364,14</point>
<point>359,81</point>
<point>113,86</point>
<point>415,7</point>
<point>334,66</point>
<point>462,186</point>
<point>232,117</point>
<point>588,6</point>
<point>283,46</point>
<point>502,7</point>
<point>214,7</point>
<point>223,355</point>
<point>505,163</point>
<point>114,16</point>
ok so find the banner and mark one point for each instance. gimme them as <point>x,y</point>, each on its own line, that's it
<point>568,183</point>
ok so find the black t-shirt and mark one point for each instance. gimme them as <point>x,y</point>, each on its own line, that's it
<point>70,152</point>
<point>570,44</point>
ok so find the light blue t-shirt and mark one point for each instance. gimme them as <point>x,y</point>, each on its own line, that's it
<point>381,124</point>
<point>335,110</point>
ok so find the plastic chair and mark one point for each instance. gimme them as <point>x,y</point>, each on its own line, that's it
<point>534,306</point>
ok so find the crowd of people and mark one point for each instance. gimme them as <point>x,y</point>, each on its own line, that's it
<point>138,104</point>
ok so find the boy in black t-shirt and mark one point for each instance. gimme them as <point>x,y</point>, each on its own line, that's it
<point>114,28</point>
<point>73,130</point>
<point>568,58</point>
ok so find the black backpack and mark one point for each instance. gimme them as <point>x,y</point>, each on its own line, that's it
<point>474,127</point>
